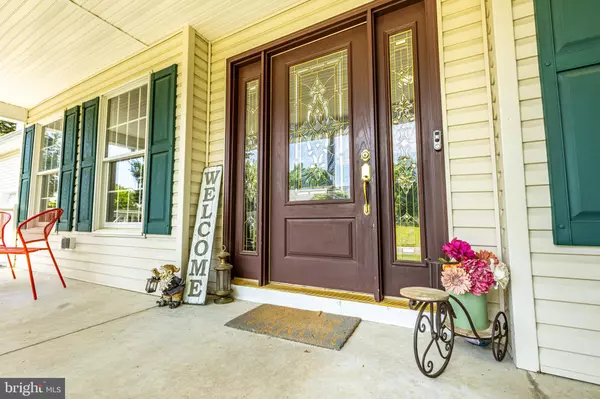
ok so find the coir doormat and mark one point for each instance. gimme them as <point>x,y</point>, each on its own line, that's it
<point>309,327</point>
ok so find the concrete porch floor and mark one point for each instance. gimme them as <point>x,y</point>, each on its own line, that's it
<point>110,343</point>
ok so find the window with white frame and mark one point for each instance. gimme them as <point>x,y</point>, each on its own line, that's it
<point>123,157</point>
<point>49,165</point>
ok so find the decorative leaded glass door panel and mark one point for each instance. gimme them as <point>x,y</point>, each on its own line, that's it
<point>319,132</point>
<point>321,121</point>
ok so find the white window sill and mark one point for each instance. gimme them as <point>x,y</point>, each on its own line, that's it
<point>135,233</point>
<point>123,233</point>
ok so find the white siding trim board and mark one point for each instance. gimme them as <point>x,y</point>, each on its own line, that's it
<point>514,195</point>
<point>184,162</point>
<point>12,112</point>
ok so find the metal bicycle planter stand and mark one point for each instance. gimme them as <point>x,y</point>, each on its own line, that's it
<point>436,317</point>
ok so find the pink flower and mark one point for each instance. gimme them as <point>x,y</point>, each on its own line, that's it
<point>458,250</point>
<point>480,274</point>
<point>456,280</point>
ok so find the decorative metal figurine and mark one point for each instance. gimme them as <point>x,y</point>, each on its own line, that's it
<point>170,286</point>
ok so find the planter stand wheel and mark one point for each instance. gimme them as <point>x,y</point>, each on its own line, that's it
<point>500,336</point>
<point>436,317</point>
<point>496,333</point>
<point>435,321</point>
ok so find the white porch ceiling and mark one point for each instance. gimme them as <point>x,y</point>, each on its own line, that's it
<point>47,46</point>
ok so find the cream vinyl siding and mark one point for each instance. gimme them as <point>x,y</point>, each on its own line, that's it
<point>120,261</point>
<point>468,119</point>
<point>566,280</point>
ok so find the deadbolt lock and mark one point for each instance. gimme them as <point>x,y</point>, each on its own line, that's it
<point>365,170</point>
<point>365,155</point>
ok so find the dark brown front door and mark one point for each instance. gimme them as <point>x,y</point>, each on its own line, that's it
<point>321,122</point>
<point>304,117</point>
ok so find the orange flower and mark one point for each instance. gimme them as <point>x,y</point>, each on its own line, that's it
<point>447,266</point>
<point>487,256</point>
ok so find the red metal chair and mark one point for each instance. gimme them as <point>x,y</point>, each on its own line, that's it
<point>36,229</point>
<point>4,219</point>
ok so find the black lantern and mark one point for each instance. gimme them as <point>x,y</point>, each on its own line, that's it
<point>151,284</point>
<point>223,270</point>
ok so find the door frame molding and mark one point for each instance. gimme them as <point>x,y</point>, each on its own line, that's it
<point>263,53</point>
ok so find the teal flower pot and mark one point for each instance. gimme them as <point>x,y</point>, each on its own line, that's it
<point>477,308</point>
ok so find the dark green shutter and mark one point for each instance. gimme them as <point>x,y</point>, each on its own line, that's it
<point>68,161</point>
<point>87,165</point>
<point>568,34</point>
<point>26,156</point>
<point>159,154</point>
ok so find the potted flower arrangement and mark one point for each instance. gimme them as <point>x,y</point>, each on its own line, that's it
<point>469,276</point>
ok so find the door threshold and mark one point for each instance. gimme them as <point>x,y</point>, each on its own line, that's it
<point>390,302</point>
<point>393,311</point>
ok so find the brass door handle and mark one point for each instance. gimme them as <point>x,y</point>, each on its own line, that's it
<point>365,155</point>
<point>366,207</point>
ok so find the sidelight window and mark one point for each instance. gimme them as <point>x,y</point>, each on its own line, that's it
<point>404,147</point>
<point>251,166</point>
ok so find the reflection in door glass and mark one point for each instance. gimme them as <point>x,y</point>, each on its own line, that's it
<point>251,167</point>
<point>319,142</point>
<point>404,147</point>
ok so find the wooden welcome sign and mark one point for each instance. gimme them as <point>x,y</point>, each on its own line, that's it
<point>204,235</point>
